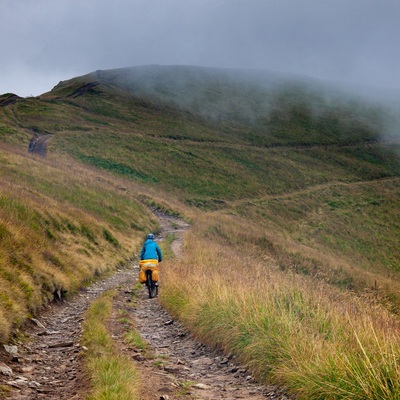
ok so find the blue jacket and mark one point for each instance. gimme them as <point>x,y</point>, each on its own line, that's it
<point>151,251</point>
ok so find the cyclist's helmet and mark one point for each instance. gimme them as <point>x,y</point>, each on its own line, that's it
<point>150,236</point>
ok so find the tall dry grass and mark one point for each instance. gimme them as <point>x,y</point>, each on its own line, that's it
<point>314,339</point>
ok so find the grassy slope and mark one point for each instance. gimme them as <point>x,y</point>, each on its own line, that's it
<point>293,178</point>
<point>60,225</point>
<point>214,137</point>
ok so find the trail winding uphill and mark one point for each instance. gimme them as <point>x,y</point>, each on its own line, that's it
<point>49,364</point>
<point>38,144</point>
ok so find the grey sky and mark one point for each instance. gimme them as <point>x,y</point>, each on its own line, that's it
<point>45,41</point>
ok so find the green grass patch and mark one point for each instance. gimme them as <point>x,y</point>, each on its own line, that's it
<point>115,167</point>
<point>134,338</point>
<point>113,375</point>
<point>4,390</point>
<point>58,229</point>
<point>165,246</point>
<point>110,238</point>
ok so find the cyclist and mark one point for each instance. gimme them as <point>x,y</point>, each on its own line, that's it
<point>152,252</point>
<point>150,249</point>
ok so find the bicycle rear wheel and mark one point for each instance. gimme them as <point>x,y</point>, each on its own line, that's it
<point>152,288</point>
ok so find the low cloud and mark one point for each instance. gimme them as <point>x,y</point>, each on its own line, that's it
<point>352,40</point>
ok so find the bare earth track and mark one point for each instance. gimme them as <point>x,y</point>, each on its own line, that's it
<point>49,364</point>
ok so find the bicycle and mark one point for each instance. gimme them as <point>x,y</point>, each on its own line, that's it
<point>149,274</point>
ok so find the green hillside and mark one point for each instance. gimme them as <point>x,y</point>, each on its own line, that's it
<point>212,136</point>
<point>298,177</point>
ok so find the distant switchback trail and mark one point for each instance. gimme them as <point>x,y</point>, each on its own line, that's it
<point>38,144</point>
<point>311,189</point>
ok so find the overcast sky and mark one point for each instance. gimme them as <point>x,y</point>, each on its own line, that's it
<point>45,41</point>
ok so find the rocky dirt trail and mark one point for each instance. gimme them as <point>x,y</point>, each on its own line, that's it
<point>49,364</point>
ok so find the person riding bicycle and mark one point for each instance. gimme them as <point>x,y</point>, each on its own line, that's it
<point>150,249</point>
<point>152,252</point>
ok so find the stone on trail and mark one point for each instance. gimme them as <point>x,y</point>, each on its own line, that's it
<point>5,369</point>
<point>202,386</point>
<point>62,344</point>
<point>11,349</point>
<point>38,323</point>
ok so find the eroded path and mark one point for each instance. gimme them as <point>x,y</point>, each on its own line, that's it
<point>49,364</point>
<point>180,367</point>
<point>174,365</point>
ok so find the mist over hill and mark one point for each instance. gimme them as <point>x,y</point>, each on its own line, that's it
<point>247,97</point>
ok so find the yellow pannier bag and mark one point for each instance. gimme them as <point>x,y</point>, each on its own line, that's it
<point>155,275</point>
<point>142,276</point>
<point>148,265</point>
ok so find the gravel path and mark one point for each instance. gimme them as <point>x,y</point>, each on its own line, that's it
<point>48,365</point>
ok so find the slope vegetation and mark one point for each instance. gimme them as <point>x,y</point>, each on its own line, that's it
<point>61,224</point>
